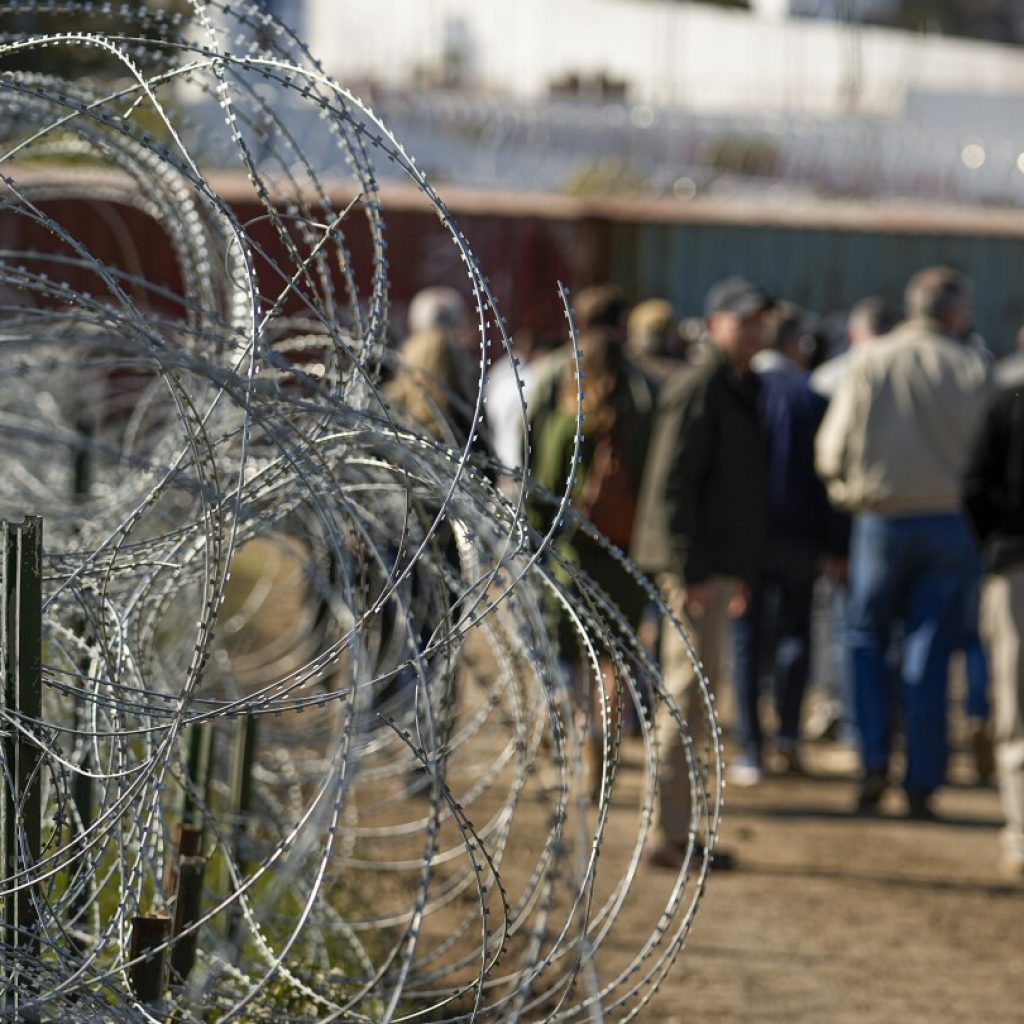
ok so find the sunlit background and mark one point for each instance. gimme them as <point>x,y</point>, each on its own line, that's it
<point>905,98</point>
<point>825,147</point>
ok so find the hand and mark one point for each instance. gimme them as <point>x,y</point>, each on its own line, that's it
<point>739,601</point>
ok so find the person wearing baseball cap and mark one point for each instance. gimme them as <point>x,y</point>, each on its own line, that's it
<point>736,295</point>
<point>700,530</point>
<point>736,313</point>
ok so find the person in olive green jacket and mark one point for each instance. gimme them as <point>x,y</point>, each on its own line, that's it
<point>616,436</point>
<point>700,529</point>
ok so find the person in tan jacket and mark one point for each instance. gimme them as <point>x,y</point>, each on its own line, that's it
<point>892,450</point>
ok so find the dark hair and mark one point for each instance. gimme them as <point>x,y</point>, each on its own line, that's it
<point>604,364</point>
<point>602,351</point>
<point>600,305</point>
<point>796,330</point>
<point>789,323</point>
<point>935,291</point>
<point>876,314</point>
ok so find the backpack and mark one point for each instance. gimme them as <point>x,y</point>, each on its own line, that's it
<point>608,500</point>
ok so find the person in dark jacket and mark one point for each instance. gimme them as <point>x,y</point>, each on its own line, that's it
<point>775,629</point>
<point>700,528</point>
<point>993,496</point>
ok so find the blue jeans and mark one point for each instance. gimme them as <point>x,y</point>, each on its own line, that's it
<point>773,637</point>
<point>917,570</point>
<point>837,686</point>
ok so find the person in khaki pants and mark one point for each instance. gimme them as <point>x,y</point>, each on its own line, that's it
<point>994,499</point>
<point>706,620</point>
<point>700,530</point>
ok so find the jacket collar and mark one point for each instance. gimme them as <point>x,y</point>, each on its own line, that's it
<point>922,325</point>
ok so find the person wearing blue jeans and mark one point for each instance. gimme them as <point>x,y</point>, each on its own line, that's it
<point>774,634</point>
<point>892,449</point>
<point>916,569</point>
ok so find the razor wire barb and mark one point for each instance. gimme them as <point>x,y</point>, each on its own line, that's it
<point>293,644</point>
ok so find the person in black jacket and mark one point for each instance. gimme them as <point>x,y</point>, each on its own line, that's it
<point>803,531</point>
<point>994,499</point>
<point>700,529</point>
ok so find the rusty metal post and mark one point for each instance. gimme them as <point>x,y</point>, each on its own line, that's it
<point>200,756</point>
<point>187,909</point>
<point>188,842</point>
<point>148,975</point>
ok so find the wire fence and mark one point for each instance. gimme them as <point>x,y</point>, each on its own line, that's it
<point>594,148</point>
<point>303,748</point>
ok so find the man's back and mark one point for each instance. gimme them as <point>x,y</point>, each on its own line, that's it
<point>897,434</point>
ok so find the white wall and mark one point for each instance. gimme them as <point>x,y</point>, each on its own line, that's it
<point>703,57</point>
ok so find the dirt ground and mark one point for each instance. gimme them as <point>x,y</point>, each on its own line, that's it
<point>828,917</point>
<point>832,917</point>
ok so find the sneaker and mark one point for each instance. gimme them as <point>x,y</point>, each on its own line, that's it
<point>722,858</point>
<point>981,749</point>
<point>745,772</point>
<point>872,788</point>
<point>671,856</point>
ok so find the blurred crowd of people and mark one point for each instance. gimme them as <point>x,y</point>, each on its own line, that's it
<point>761,485</point>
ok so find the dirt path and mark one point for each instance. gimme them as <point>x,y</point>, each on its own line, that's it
<point>828,918</point>
<point>834,918</point>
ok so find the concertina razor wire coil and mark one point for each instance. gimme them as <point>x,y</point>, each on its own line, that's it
<point>276,610</point>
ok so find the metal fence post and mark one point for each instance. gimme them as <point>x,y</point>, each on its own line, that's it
<point>187,908</point>
<point>241,791</point>
<point>81,784</point>
<point>200,757</point>
<point>21,801</point>
<point>148,975</point>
